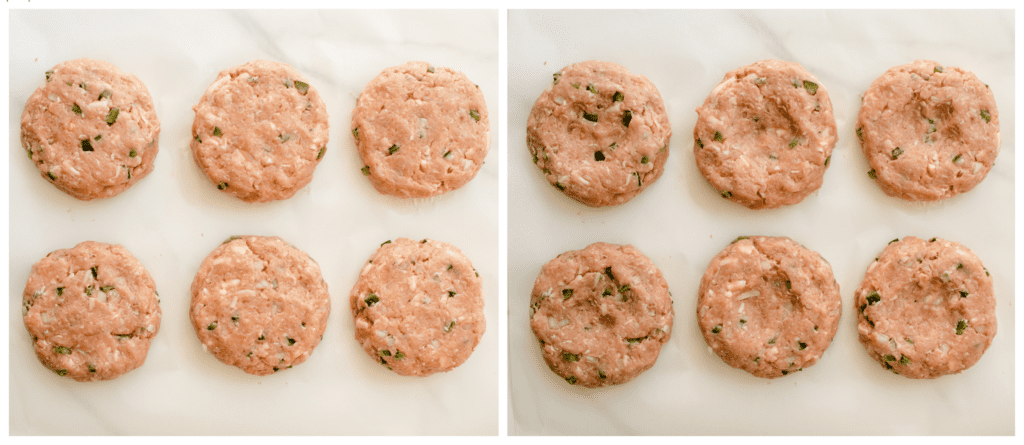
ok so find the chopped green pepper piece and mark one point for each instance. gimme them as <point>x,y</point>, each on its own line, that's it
<point>132,153</point>
<point>716,329</point>
<point>95,271</point>
<point>60,291</point>
<point>88,290</point>
<point>871,174</point>
<point>636,340</point>
<point>718,136</point>
<point>829,158</point>
<point>932,240</point>
<point>571,379</point>
<point>51,176</point>
<point>598,156</point>
<point>964,294</point>
<point>576,85</point>
<point>626,117</point>
<point>106,289</point>
<point>86,145</point>
<point>303,87</point>
<point>904,360</point>
<point>399,355</point>
<point>726,194</point>
<point>198,140</point>
<point>860,135</point>
<point>938,68</point>
<point>608,271</point>
<point>566,294</point>
<point>592,117</point>
<point>98,137</point>
<point>601,374</point>
<point>475,115</point>
<point>644,159</point>
<point>385,242</point>
<point>789,285</point>
<point>739,238</point>
<point>222,186</point>
<point>262,337</point>
<point>624,288</point>
<point>617,97</point>
<point>76,109</point>
<point>889,358</point>
<point>48,74</point>
<point>873,298</point>
<point>794,143</point>
<point>570,357</point>
<point>61,372</point>
<point>104,94</point>
<point>91,367</point>
<point>291,341</point>
<point>893,241</point>
<point>385,353</point>
<point>112,116</point>
<point>784,372</point>
<point>217,132</point>
<point>700,143</point>
<point>896,152</point>
<point>212,326</point>
<point>607,292</point>
<point>365,170</point>
<point>393,149</point>
<point>986,116</point>
<point>556,76</point>
<point>560,186</point>
<point>591,88</point>
<point>811,87</point>
<point>234,319</point>
<point>961,326</point>
<point>801,345</point>
<point>355,133</point>
<point>448,327</point>
<point>62,350</point>
<point>320,154</point>
<point>451,294</point>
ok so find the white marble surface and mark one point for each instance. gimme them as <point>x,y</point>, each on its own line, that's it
<point>174,217</point>
<point>680,223</point>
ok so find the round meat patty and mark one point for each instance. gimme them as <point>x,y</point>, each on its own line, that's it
<point>91,129</point>
<point>929,132</point>
<point>764,136</point>
<point>768,306</point>
<point>260,304</point>
<point>418,307</point>
<point>926,308</point>
<point>91,310</point>
<point>601,314</point>
<point>420,130</point>
<point>599,133</point>
<point>260,131</point>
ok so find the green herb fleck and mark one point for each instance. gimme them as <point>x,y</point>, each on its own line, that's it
<point>718,136</point>
<point>104,94</point>
<point>217,132</point>
<point>303,87</point>
<point>571,379</point>
<point>365,170</point>
<point>51,176</point>
<point>896,152</point>
<point>986,116</point>
<point>212,326</point>
<point>399,355</point>
<point>636,340</point>
<point>393,149</point>
<point>570,357</point>
<point>91,367</point>
<point>560,186</point>
<point>234,319</point>
<point>291,341</point>
<point>591,88</point>
<point>576,85</point>
<point>48,74</point>
<point>592,117</point>
<point>451,294</point>
<point>262,337</point>
<point>98,137</point>
<point>222,186</point>
<point>860,135</point>
<point>789,285</point>
<point>961,326</point>
<point>644,159</point>
<point>617,97</point>
<point>873,298</point>
<point>716,329</point>
<point>355,133</point>
<point>607,292</point>
<point>112,116</point>
<point>889,358</point>
<point>964,294</point>
<point>626,117</point>
<point>601,374</point>
<point>871,174</point>
<point>76,109</point>
<point>598,156</point>
<point>448,327</point>
<point>106,289</point>
<point>904,360</point>
<point>726,194</point>
<point>475,115</point>
<point>385,242</point>
<point>566,294</point>
<point>739,238</point>
<point>132,153</point>
<point>801,345</point>
<point>624,288</point>
<point>86,145</point>
<point>95,271</point>
<point>320,154</point>
<point>556,76</point>
<point>62,350</point>
<point>385,353</point>
<point>60,291</point>
<point>811,87</point>
<point>827,160</point>
<point>700,144</point>
<point>61,372</point>
<point>794,143</point>
<point>938,68</point>
<point>284,137</point>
